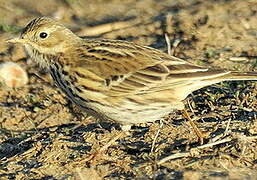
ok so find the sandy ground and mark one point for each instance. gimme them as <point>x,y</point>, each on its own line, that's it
<point>43,136</point>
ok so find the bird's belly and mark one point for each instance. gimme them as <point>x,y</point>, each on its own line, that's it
<point>129,113</point>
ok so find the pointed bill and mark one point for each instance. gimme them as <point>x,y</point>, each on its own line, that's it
<point>16,40</point>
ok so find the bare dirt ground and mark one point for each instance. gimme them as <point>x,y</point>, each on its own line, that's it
<point>44,137</point>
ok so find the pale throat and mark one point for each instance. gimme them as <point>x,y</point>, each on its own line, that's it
<point>53,49</point>
<point>42,57</point>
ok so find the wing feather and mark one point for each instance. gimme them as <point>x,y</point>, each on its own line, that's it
<point>126,68</point>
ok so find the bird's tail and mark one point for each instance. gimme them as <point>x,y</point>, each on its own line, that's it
<point>228,76</point>
<point>203,79</point>
<point>238,76</point>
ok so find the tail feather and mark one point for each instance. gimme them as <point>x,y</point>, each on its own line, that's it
<point>193,83</point>
<point>237,76</point>
<point>228,76</point>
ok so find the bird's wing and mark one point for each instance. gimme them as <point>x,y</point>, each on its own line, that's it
<point>118,68</point>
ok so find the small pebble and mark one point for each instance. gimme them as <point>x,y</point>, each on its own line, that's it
<point>13,75</point>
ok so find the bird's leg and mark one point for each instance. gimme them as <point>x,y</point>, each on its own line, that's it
<point>199,134</point>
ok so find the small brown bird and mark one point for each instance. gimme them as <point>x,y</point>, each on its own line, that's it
<point>117,80</point>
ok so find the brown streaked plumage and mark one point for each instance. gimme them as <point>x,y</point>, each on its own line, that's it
<point>117,80</point>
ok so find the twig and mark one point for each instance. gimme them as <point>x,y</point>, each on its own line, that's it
<point>189,153</point>
<point>175,45</point>
<point>190,106</point>
<point>215,139</point>
<point>169,22</point>
<point>104,28</point>
<point>227,127</point>
<point>112,141</point>
<point>95,155</point>
<point>156,135</point>
<point>238,59</point>
<point>168,43</point>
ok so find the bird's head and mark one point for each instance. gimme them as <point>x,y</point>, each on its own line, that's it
<point>45,35</point>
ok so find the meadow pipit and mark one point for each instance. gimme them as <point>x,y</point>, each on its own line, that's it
<point>117,80</point>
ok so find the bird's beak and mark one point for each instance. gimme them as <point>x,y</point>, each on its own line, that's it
<point>17,40</point>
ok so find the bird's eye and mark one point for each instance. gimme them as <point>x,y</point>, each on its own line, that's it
<point>43,35</point>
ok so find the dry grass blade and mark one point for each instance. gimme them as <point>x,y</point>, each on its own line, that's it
<point>189,153</point>
<point>104,28</point>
